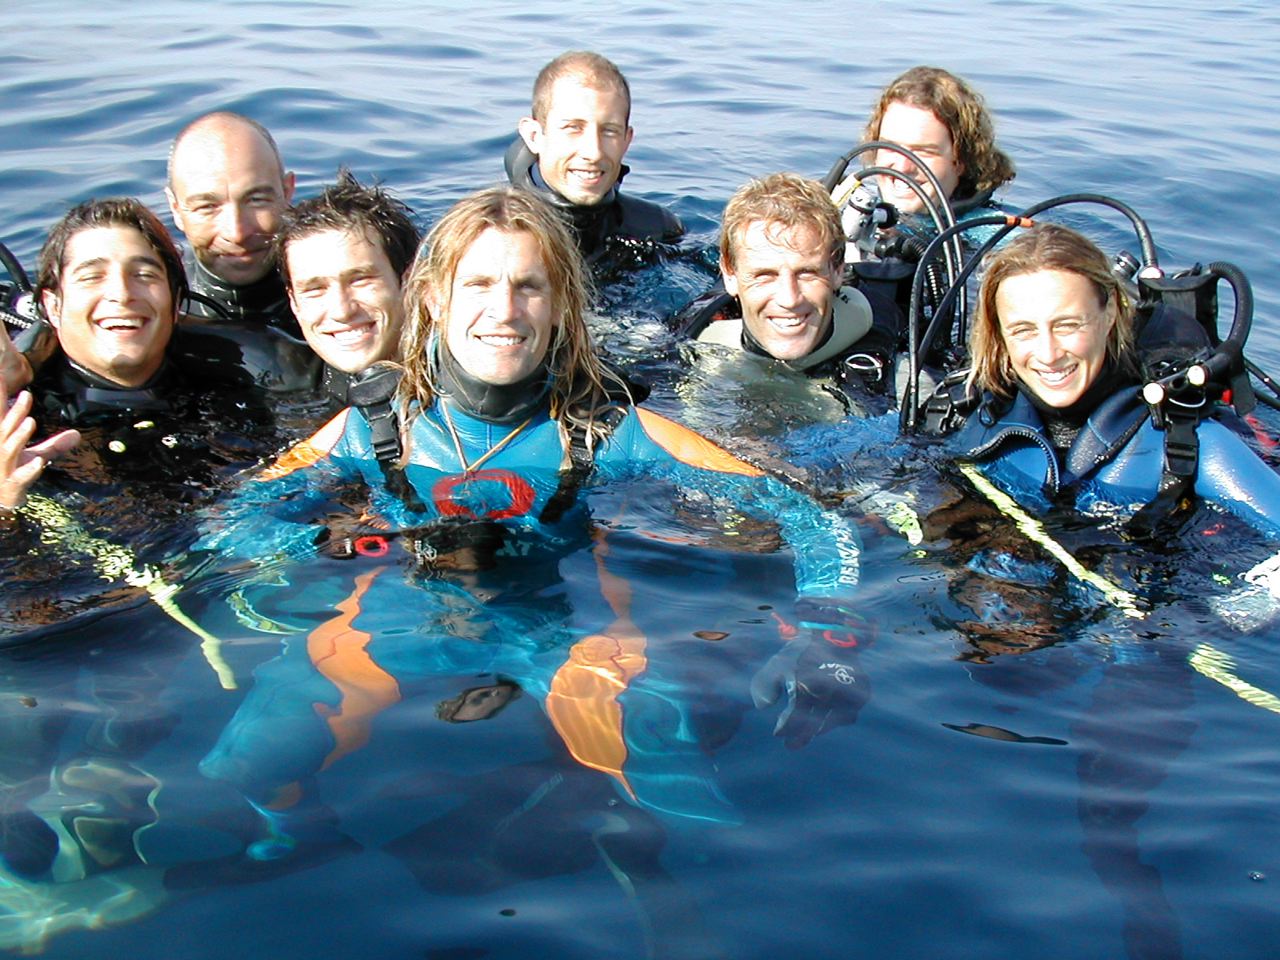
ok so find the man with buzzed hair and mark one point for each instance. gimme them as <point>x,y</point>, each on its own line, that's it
<point>227,191</point>
<point>571,149</point>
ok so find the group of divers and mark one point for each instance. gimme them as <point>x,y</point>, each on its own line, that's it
<point>470,409</point>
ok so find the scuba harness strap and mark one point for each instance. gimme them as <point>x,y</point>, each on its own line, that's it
<point>1186,369</point>
<point>371,392</point>
<point>581,463</point>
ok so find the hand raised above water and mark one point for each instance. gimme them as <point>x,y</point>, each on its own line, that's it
<point>21,465</point>
<point>817,670</point>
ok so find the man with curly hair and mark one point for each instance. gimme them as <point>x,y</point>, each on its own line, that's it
<point>945,123</point>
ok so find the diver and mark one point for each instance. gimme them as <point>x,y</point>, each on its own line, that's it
<point>503,413</point>
<point>936,158</point>
<point>570,151</point>
<point>783,300</point>
<point>109,284</point>
<point>152,432</point>
<point>227,192</point>
<point>344,255</point>
<point>1054,406</point>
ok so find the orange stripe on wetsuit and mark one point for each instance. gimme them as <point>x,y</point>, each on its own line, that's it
<point>583,700</point>
<point>690,447</point>
<point>306,453</point>
<point>341,654</point>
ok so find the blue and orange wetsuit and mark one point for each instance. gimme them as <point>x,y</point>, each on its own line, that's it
<point>315,702</point>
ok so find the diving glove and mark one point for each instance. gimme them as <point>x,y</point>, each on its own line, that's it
<point>818,672</point>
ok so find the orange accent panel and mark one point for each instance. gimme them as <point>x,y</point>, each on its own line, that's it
<point>583,701</point>
<point>692,448</point>
<point>286,797</point>
<point>307,452</point>
<point>340,653</point>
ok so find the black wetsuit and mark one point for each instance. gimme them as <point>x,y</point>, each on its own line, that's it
<point>248,354</point>
<point>180,427</point>
<point>148,457</point>
<point>263,301</point>
<point>619,228</point>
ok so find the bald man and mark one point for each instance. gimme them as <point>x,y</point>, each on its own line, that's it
<point>227,191</point>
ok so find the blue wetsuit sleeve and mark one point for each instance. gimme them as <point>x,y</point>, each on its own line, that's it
<point>272,513</point>
<point>825,545</point>
<point>1236,479</point>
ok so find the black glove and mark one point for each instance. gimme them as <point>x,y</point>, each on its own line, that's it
<point>817,670</point>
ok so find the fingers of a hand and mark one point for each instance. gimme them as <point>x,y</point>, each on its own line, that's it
<point>765,686</point>
<point>15,434</point>
<point>18,411</point>
<point>57,445</point>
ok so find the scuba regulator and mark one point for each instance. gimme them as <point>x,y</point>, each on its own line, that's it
<point>24,320</point>
<point>884,251</point>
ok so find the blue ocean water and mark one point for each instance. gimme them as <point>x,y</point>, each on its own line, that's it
<point>1113,801</point>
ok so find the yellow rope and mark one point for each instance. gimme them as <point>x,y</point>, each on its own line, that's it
<point>1122,599</point>
<point>114,562</point>
<point>1204,659</point>
<point>1216,665</point>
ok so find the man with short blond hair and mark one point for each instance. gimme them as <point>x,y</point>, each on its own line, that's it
<point>782,260</point>
<point>571,148</point>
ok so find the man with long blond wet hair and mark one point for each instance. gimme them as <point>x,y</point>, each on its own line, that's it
<point>576,378</point>
<point>506,414</point>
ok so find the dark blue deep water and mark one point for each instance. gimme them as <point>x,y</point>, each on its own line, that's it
<point>1065,787</point>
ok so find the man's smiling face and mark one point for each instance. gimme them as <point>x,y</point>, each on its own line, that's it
<point>113,309</point>
<point>785,280</point>
<point>346,297</point>
<point>581,141</point>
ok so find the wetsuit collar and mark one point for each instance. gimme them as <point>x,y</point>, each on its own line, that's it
<point>265,298</point>
<point>962,205</point>
<point>850,322</point>
<point>495,403</point>
<point>336,385</point>
<point>88,393</point>
<point>522,170</point>
<point>1063,423</point>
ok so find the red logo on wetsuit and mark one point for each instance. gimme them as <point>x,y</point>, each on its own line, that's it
<point>457,495</point>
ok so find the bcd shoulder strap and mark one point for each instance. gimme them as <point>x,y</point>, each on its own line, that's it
<point>372,392</point>
<point>581,463</point>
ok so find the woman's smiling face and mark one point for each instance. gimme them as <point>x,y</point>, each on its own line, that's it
<point>1054,325</point>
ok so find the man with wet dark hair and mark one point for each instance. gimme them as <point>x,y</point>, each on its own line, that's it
<point>110,280</point>
<point>570,150</point>
<point>343,256</point>
<point>227,192</point>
